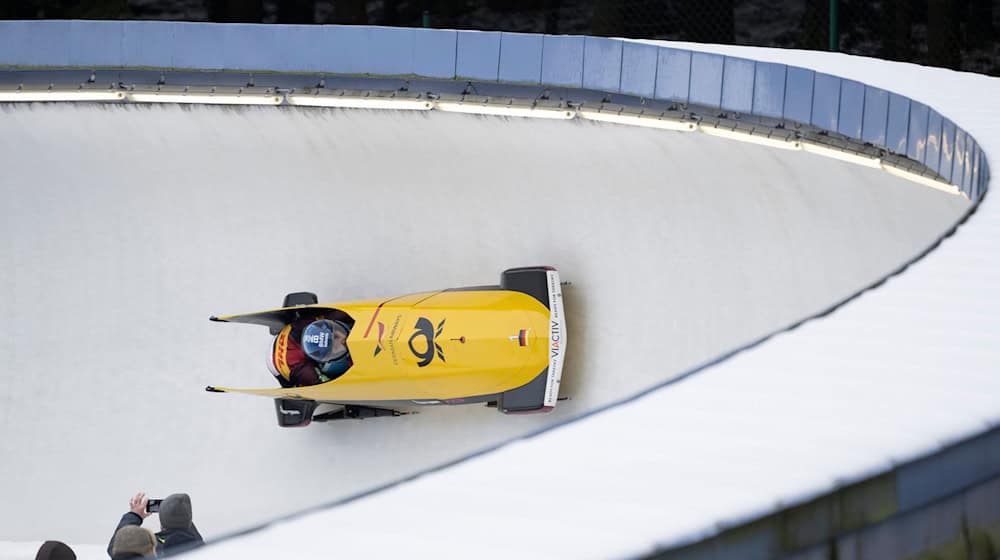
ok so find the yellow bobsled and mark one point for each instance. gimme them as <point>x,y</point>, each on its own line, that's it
<point>502,345</point>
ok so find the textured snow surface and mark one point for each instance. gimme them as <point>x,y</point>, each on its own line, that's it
<point>126,227</point>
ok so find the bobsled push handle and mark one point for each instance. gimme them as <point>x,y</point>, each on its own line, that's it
<point>530,280</point>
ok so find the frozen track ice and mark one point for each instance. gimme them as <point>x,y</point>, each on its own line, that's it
<point>126,227</point>
<point>900,372</point>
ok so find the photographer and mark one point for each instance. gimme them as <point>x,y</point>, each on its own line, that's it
<point>177,530</point>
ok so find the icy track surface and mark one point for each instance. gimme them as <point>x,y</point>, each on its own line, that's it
<point>124,228</point>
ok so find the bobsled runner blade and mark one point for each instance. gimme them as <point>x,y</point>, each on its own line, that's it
<point>276,392</point>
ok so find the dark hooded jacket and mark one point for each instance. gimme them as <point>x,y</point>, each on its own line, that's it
<point>179,533</point>
<point>174,541</point>
<point>168,541</point>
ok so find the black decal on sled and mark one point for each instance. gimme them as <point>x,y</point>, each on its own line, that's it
<point>378,345</point>
<point>426,330</point>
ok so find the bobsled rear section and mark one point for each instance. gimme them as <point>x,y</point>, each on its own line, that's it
<point>542,392</point>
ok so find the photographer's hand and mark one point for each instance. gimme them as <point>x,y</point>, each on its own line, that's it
<point>137,505</point>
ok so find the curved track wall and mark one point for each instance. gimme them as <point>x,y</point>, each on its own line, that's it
<point>863,113</point>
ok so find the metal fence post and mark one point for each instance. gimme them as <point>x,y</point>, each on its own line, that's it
<point>834,33</point>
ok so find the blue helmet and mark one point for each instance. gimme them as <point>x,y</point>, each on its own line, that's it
<point>325,340</point>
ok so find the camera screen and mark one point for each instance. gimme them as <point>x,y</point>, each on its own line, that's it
<point>153,506</point>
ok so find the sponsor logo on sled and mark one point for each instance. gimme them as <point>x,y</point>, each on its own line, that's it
<point>281,352</point>
<point>287,412</point>
<point>393,334</point>
<point>387,340</point>
<point>555,338</point>
<point>521,337</point>
<point>322,339</point>
<point>425,330</point>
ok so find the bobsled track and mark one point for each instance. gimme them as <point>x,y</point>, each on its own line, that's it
<point>126,226</point>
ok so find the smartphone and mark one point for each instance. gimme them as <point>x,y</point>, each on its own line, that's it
<point>153,506</point>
